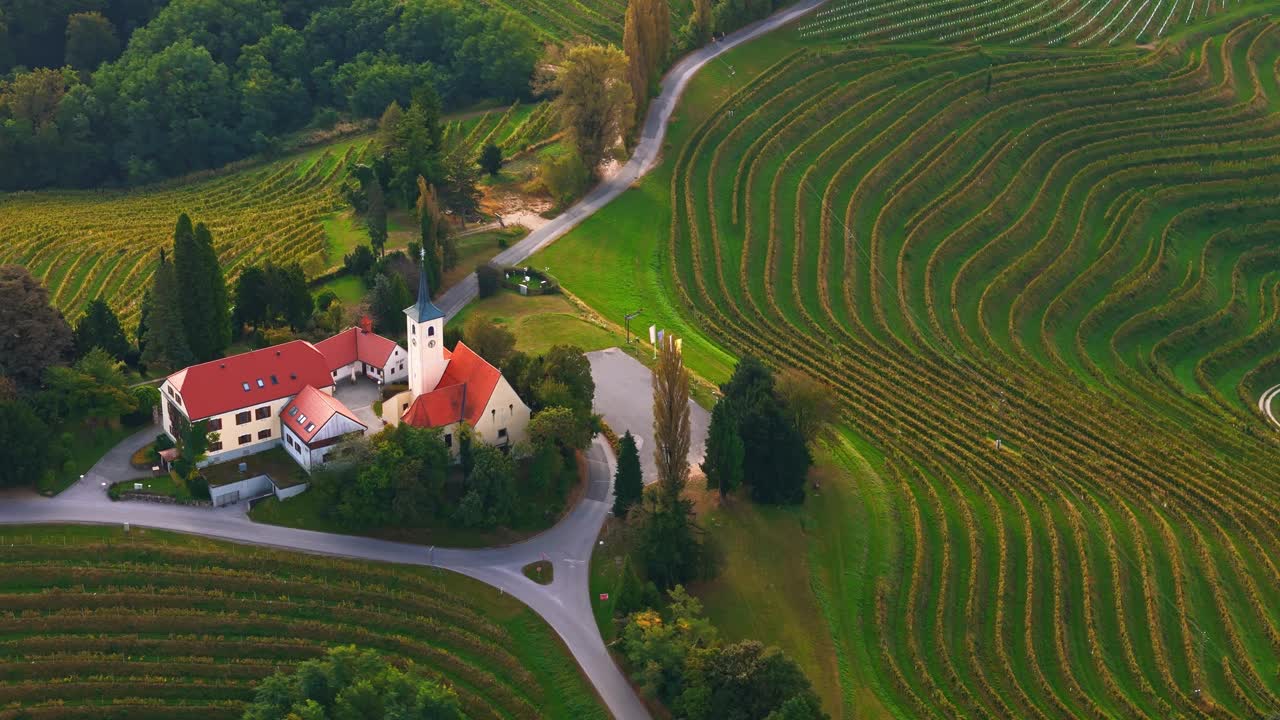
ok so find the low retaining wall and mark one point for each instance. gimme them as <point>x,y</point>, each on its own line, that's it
<point>162,499</point>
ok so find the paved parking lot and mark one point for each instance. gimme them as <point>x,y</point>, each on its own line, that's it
<point>624,396</point>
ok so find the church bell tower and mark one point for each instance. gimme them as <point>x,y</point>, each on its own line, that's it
<point>426,337</point>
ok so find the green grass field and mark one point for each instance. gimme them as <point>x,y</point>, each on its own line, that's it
<point>99,623</point>
<point>1068,250</point>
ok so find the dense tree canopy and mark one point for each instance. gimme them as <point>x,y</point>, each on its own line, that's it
<point>593,96</point>
<point>100,328</point>
<point>35,336</point>
<point>208,81</point>
<point>349,683</point>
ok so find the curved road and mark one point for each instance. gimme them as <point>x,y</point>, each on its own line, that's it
<point>1264,404</point>
<point>642,160</point>
<point>565,604</point>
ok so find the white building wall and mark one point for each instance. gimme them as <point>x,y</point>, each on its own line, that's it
<point>505,411</point>
<point>396,369</point>
<point>242,490</point>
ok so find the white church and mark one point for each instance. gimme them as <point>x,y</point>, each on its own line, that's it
<point>284,395</point>
<point>447,389</point>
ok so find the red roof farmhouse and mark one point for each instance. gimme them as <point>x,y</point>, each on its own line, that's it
<point>284,395</point>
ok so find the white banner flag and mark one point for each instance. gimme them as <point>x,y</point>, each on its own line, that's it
<point>653,334</point>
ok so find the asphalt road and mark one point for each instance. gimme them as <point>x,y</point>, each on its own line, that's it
<point>642,160</point>
<point>624,396</point>
<point>565,604</point>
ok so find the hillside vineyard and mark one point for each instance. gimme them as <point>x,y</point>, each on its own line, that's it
<point>1046,286</point>
<point>89,244</point>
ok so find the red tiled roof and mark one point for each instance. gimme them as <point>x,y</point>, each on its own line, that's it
<point>355,344</point>
<point>272,373</point>
<point>469,379</point>
<point>311,410</point>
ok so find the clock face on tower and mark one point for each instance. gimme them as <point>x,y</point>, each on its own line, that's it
<point>431,343</point>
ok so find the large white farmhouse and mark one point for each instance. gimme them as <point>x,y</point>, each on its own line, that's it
<point>284,395</point>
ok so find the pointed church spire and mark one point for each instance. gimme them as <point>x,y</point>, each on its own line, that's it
<point>424,309</point>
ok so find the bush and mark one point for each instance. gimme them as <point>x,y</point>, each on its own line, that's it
<point>198,486</point>
<point>565,176</point>
<point>490,279</point>
<point>163,442</point>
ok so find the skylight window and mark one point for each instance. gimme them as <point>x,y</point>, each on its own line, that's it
<point>245,386</point>
<point>260,383</point>
<point>293,411</point>
<point>274,381</point>
<point>302,419</point>
<point>311,426</point>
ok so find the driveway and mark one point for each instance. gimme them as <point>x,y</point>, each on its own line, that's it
<point>624,396</point>
<point>646,154</point>
<point>359,396</point>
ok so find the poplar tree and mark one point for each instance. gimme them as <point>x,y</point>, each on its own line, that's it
<point>671,419</point>
<point>433,229</point>
<point>166,342</point>
<point>702,20</point>
<point>206,317</point>
<point>646,38</point>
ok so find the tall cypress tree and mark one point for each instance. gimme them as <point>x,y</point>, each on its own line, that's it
<point>218,311</point>
<point>431,222</point>
<point>166,341</point>
<point>724,450</point>
<point>628,484</point>
<point>187,268</point>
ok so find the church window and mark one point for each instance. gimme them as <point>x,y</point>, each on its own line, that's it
<point>413,329</point>
<point>431,331</point>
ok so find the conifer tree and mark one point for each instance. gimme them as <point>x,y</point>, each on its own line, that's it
<point>100,328</point>
<point>218,310</point>
<point>376,216</point>
<point>724,450</point>
<point>628,484</point>
<point>166,342</point>
<point>433,228</point>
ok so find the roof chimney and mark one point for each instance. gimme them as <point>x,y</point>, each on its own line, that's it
<point>222,366</point>
<point>277,353</point>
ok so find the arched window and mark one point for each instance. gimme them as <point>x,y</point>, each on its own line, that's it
<point>431,331</point>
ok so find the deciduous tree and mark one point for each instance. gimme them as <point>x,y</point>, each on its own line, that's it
<point>671,419</point>
<point>489,340</point>
<point>349,683</point>
<point>91,39</point>
<point>593,97</point>
<point>26,450</point>
<point>35,335</point>
<point>811,405</point>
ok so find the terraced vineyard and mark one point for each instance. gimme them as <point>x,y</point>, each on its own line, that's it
<point>598,20</point>
<point>1040,22</point>
<point>90,244</point>
<point>168,626</point>
<point>1045,286</point>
